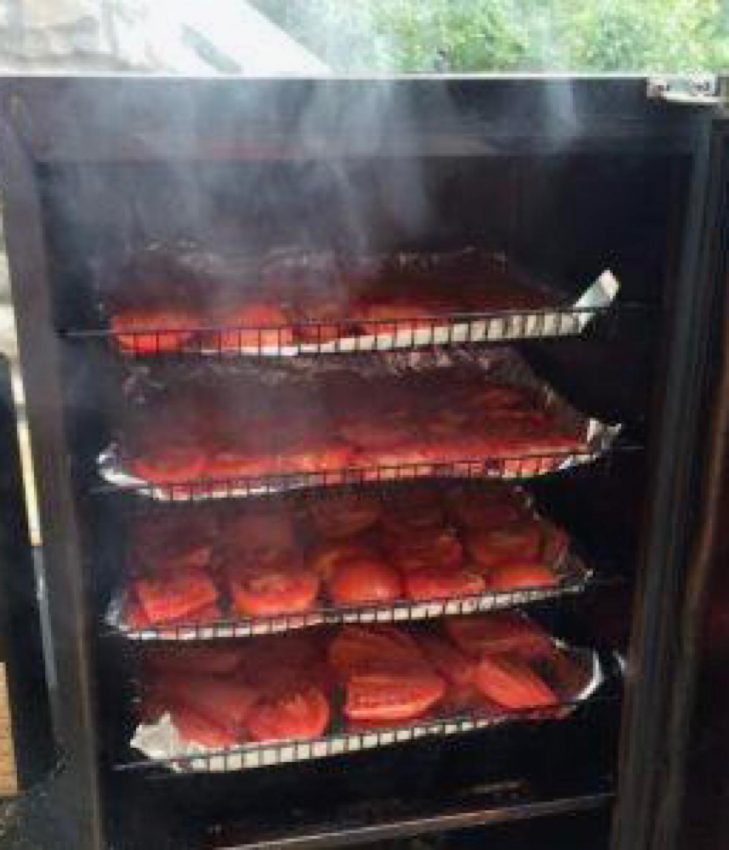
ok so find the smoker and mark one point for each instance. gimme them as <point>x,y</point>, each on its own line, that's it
<point>565,176</point>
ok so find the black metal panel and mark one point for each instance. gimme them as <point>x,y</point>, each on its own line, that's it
<point>20,626</point>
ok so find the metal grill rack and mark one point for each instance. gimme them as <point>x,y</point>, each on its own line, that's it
<point>345,742</point>
<point>339,337</point>
<point>505,468</point>
<point>574,579</point>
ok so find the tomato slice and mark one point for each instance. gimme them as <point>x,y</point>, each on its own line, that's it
<point>520,541</point>
<point>294,713</point>
<point>273,590</point>
<point>344,516</point>
<point>516,574</point>
<point>499,632</point>
<point>169,463</point>
<point>362,646</point>
<point>195,729</point>
<point>439,583</point>
<point>154,330</point>
<point>175,594</point>
<point>376,695</point>
<point>364,580</point>
<point>448,661</point>
<point>325,557</point>
<point>512,683</point>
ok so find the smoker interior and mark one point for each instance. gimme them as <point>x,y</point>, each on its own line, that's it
<point>564,216</point>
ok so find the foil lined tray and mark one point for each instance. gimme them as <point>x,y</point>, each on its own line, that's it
<point>504,365</point>
<point>574,578</point>
<point>213,274</point>
<point>161,743</point>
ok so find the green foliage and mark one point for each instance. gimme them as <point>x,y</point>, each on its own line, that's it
<point>509,35</point>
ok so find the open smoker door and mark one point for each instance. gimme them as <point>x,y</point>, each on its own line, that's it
<point>672,776</point>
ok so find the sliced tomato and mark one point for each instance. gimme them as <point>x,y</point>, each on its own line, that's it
<point>251,326</point>
<point>195,729</point>
<point>378,695</point>
<point>294,713</point>
<point>273,590</point>
<point>512,683</point>
<point>169,463</point>
<point>499,632</point>
<point>519,574</point>
<point>175,594</point>
<point>426,549</point>
<point>154,330</point>
<point>520,541</point>
<point>440,583</point>
<point>486,507</point>
<point>458,669</point>
<point>344,516</point>
<point>361,646</point>
<point>325,557</point>
<point>364,580</point>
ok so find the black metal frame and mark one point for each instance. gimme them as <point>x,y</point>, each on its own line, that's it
<point>158,120</point>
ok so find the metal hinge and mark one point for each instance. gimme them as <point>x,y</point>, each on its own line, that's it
<point>693,90</point>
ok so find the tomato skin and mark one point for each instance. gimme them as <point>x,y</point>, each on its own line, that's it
<point>438,583</point>
<point>175,594</point>
<point>391,694</point>
<point>273,590</point>
<point>294,713</point>
<point>364,580</point>
<point>344,516</point>
<point>324,558</point>
<point>516,575</point>
<point>196,729</point>
<point>516,542</point>
<point>169,463</point>
<point>362,646</point>
<point>499,632</point>
<point>167,329</point>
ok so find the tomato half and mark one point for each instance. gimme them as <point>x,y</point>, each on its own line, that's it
<point>175,594</point>
<point>294,713</point>
<point>361,646</point>
<point>169,462</point>
<point>273,590</point>
<point>391,695</point>
<point>499,632</point>
<point>364,580</point>
<point>440,583</point>
<point>154,330</point>
<point>345,515</point>
<point>520,541</point>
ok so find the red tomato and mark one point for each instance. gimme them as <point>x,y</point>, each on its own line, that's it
<point>295,713</point>
<point>224,701</point>
<point>516,574</point>
<point>252,326</point>
<point>432,548</point>
<point>520,541</point>
<point>344,516</point>
<point>512,683</point>
<point>364,580</point>
<point>199,730</point>
<point>169,463</point>
<point>175,594</point>
<point>154,330</point>
<point>358,646</point>
<point>440,583</point>
<point>273,590</point>
<point>448,661</point>
<point>499,632</point>
<point>391,694</point>
<point>324,558</point>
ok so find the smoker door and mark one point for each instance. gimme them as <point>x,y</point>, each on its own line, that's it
<point>671,777</point>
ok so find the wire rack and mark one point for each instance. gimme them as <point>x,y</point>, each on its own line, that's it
<point>514,467</point>
<point>343,337</point>
<point>574,578</point>
<point>343,742</point>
